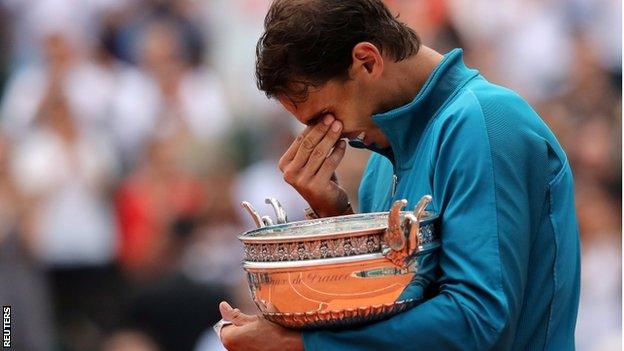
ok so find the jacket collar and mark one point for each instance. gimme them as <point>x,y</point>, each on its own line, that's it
<point>404,125</point>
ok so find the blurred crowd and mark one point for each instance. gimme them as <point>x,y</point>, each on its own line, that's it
<point>130,130</point>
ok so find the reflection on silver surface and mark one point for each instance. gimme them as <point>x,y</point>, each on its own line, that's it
<point>339,271</point>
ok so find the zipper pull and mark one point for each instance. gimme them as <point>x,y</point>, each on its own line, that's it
<point>395,180</point>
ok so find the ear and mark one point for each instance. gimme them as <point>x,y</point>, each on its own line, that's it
<point>366,59</point>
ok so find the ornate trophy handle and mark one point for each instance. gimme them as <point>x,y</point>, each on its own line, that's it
<point>280,214</point>
<point>419,213</point>
<point>413,224</point>
<point>254,215</point>
<point>267,220</point>
<point>263,221</point>
<point>419,209</point>
<point>395,235</point>
<point>402,237</point>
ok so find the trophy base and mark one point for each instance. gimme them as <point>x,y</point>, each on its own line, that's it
<point>339,318</point>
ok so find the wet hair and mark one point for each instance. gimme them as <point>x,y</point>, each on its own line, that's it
<point>309,42</point>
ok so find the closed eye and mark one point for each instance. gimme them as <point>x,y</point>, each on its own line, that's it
<point>316,117</point>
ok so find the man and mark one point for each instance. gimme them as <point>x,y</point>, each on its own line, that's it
<point>509,261</point>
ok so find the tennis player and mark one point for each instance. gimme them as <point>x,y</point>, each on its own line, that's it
<point>508,275</point>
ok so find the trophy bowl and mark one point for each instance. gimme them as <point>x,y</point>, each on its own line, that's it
<point>339,271</point>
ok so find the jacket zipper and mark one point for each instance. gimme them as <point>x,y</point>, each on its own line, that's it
<point>389,197</point>
<point>395,181</point>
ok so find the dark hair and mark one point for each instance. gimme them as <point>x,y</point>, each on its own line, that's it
<point>308,42</point>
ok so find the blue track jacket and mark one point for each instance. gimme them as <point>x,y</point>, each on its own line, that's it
<point>509,265</point>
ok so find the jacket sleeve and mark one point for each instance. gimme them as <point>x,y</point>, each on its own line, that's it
<point>472,308</point>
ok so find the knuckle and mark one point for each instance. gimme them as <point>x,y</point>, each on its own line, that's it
<point>307,144</point>
<point>300,183</point>
<point>286,178</point>
<point>312,185</point>
<point>289,176</point>
<point>281,164</point>
<point>318,153</point>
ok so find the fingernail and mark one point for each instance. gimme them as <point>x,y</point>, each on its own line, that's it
<point>328,119</point>
<point>225,307</point>
<point>336,126</point>
<point>342,144</point>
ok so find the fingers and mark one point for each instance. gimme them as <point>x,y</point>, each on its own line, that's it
<point>312,139</point>
<point>292,149</point>
<point>234,315</point>
<point>321,151</point>
<point>320,130</point>
<point>327,169</point>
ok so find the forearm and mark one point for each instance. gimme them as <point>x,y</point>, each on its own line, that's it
<point>442,323</point>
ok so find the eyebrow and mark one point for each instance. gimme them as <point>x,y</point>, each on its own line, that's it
<point>312,120</point>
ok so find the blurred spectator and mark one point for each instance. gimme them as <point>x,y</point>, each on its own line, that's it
<point>86,86</point>
<point>235,26</point>
<point>213,258</point>
<point>9,197</point>
<point>175,311</point>
<point>431,20</point>
<point>523,44</point>
<point>599,22</point>
<point>5,31</point>
<point>166,95</point>
<point>24,286</point>
<point>600,311</point>
<point>64,173</point>
<point>157,194</point>
<point>122,27</point>
<point>263,179</point>
<point>129,340</point>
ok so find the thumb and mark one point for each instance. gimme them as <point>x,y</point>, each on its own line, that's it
<point>234,315</point>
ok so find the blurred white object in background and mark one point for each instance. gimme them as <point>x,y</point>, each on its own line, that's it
<point>165,95</point>
<point>530,37</point>
<point>260,181</point>
<point>599,319</point>
<point>140,110</point>
<point>67,184</point>
<point>87,86</point>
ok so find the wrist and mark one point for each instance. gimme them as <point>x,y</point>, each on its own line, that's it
<point>218,327</point>
<point>311,213</point>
